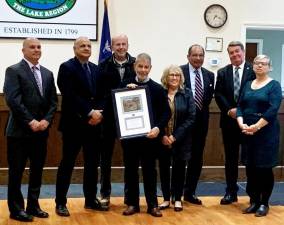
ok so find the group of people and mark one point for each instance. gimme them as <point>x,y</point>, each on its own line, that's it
<point>247,97</point>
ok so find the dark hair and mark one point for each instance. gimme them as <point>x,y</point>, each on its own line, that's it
<point>195,45</point>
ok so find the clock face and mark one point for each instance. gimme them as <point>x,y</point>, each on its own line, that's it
<point>215,16</point>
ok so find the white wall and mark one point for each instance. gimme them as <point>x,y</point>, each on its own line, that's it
<point>163,28</point>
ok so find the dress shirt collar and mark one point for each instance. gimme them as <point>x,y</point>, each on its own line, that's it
<point>32,65</point>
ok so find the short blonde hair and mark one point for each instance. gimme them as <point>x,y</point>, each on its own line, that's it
<point>172,69</point>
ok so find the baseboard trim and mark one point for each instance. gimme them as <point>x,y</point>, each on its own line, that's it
<point>209,173</point>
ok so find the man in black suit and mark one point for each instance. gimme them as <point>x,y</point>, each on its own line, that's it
<point>227,92</point>
<point>81,115</point>
<point>201,82</point>
<point>116,69</point>
<point>31,96</point>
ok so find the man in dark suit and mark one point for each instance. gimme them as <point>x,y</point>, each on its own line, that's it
<point>116,69</point>
<point>201,82</point>
<point>230,81</point>
<point>31,96</point>
<point>81,115</point>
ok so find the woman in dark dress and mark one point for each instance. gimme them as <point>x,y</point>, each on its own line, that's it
<point>176,143</point>
<point>257,118</point>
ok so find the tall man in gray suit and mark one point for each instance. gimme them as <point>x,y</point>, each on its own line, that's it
<point>31,96</point>
<point>201,82</point>
<point>230,82</point>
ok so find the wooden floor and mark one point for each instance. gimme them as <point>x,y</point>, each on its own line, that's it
<point>211,213</point>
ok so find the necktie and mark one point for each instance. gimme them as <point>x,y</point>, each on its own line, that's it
<point>38,79</point>
<point>198,90</point>
<point>236,83</point>
<point>88,75</point>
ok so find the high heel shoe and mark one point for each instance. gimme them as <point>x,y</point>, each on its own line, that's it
<point>178,206</point>
<point>164,205</point>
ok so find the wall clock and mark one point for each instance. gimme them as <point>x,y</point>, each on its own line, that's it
<point>215,16</point>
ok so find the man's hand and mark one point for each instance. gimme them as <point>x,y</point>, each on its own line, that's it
<point>34,125</point>
<point>233,113</point>
<point>43,124</point>
<point>132,86</point>
<point>96,117</point>
<point>154,132</point>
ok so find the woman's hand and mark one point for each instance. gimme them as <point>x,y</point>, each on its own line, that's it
<point>250,130</point>
<point>166,140</point>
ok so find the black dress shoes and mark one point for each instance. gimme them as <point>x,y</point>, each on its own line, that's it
<point>37,212</point>
<point>131,210</point>
<point>61,210</point>
<point>155,212</point>
<point>21,216</point>
<point>262,211</point>
<point>95,205</point>
<point>251,209</point>
<point>192,199</point>
<point>229,199</point>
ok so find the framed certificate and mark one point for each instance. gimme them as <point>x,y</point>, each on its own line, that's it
<point>214,44</point>
<point>132,112</point>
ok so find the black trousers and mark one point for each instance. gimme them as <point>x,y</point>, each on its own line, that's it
<point>136,151</point>
<point>89,141</point>
<point>232,141</point>
<point>171,183</point>
<point>260,182</point>
<point>19,151</point>
<point>194,165</point>
<point>108,142</point>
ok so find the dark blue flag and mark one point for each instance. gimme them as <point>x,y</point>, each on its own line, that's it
<point>105,47</point>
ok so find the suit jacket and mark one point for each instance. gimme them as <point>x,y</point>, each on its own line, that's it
<point>208,84</point>
<point>224,91</point>
<point>208,90</point>
<point>78,97</point>
<point>25,101</point>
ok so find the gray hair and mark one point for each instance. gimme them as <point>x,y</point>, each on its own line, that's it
<point>143,56</point>
<point>236,43</point>
<point>260,57</point>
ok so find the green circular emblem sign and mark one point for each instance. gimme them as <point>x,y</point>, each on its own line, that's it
<point>41,9</point>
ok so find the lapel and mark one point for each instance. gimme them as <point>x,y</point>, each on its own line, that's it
<point>245,73</point>
<point>44,80</point>
<point>206,82</point>
<point>83,76</point>
<point>30,75</point>
<point>230,77</point>
<point>186,75</point>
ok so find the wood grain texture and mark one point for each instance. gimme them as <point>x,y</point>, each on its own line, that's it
<point>211,213</point>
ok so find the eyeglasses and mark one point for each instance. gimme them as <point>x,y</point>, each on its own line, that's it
<point>260,63</point>
<point>174,75</point>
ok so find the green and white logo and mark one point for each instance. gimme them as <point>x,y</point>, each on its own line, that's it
<point>41,9</point>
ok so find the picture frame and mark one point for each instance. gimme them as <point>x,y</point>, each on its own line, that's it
<point>214,44</point>
<point>132,111</point>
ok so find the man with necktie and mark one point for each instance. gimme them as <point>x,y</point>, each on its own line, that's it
<point>201,83</point>
<point>30,93</point>
<point>230,81</point>
<point>81,115</point>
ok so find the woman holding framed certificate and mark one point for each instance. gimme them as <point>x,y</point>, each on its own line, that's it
<point>143,149</point>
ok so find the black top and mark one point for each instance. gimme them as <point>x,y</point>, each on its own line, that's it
<point>261,149</point>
